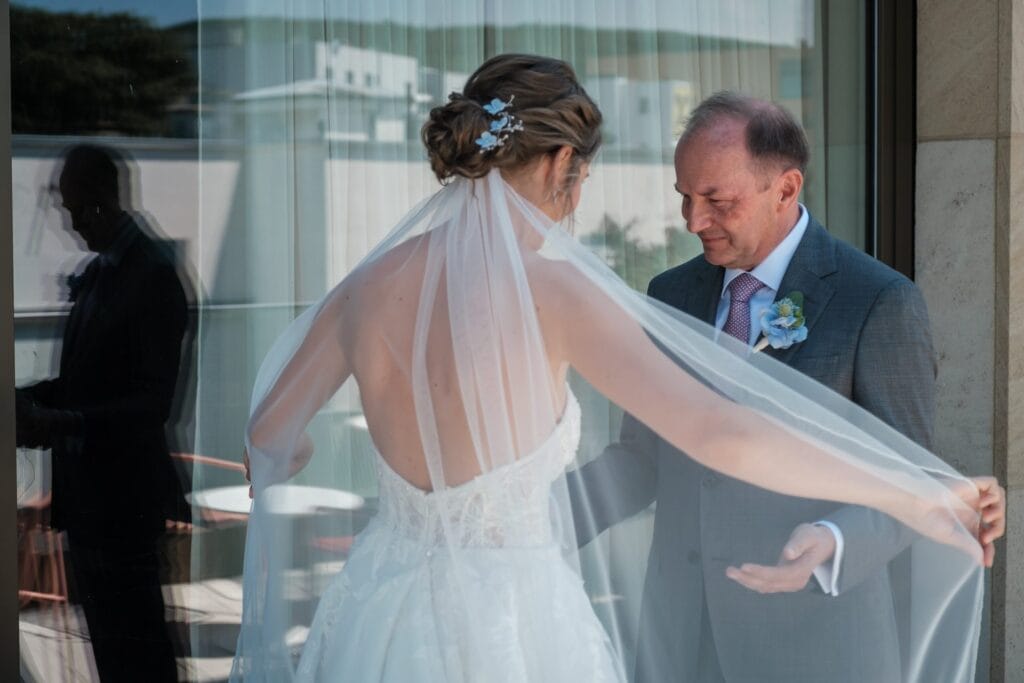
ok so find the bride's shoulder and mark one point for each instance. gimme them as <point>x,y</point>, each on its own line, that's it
<point>555,278</point>
<point>381,288</point>
<point>561,293</point>
<point>386,270</point>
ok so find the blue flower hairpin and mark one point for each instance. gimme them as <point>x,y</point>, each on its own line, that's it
<point>503,125</point>
<point>496,106</point>
<point>487,141</point>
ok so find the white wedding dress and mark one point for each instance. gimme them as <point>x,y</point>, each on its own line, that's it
<point>399,609</point>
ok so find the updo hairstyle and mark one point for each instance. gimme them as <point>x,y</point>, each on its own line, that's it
<point>552,106</point>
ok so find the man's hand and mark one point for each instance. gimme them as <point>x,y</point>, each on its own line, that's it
<point>992,508</point>
<point>36,425</point>
<point>808,546</point>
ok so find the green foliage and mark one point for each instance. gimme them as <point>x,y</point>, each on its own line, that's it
<point>635,261</point>
<point>75,73</point>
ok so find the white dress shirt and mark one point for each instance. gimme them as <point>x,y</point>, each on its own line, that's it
<point>770,272</point>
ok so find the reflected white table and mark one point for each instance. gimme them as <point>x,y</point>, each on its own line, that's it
<point>282,499</point>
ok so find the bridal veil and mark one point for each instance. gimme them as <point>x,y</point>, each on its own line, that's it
<point>479,394</point>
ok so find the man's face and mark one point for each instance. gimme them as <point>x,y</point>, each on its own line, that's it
<point>84,218</point>
<point>726,201</point>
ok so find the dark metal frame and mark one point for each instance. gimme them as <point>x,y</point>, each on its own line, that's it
<point>892,131</point>
<point>9,663</point>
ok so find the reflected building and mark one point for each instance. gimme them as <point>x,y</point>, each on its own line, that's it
<point>354,95</point>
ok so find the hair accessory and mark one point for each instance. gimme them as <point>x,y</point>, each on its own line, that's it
<point>503,125</point>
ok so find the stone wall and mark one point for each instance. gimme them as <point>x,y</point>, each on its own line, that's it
<point>969,239</point>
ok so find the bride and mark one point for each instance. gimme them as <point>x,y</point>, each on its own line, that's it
<point>460,329</point>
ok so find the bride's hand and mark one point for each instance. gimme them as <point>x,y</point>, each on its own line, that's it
<point>991,505</point>
<point>986,501</point>
<point>949,515</point>
<point>972,516</point>
<point>300,458</point>
<point>248,473</point>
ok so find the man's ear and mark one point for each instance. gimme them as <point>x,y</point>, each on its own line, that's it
<point>789,184</point>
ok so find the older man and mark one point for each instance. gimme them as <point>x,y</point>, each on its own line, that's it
<point>706,615</point>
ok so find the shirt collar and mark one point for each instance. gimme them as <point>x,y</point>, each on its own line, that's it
<point>773,268</point>
<point>113,254</point>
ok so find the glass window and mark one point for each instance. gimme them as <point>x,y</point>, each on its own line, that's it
<point>263,148</point>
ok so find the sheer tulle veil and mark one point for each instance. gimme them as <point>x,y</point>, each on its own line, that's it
<point>479,394</point>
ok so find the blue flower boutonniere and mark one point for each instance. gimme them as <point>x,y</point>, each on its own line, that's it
<point>783,323</point>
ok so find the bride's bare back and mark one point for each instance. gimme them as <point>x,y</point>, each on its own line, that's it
<point>377,324</point>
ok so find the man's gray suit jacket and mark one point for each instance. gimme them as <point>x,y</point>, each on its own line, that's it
<point>869,340</point>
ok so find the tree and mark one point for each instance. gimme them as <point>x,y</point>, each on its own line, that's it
<point>634,261</point>
<point>75,73</point>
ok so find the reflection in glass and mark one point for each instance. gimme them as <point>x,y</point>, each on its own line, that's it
<point>114,488</point>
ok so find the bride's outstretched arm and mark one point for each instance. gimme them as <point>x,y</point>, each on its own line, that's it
<point>308,376</point>
<point>611,350</point>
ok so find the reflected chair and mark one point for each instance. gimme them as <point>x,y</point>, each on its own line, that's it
<point>41,573</point>
<point>210,516</point>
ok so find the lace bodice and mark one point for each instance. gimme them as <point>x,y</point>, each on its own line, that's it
<point>508,506</point>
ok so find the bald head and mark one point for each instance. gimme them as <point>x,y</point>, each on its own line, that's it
<point>90,176</point>
<point>90,187</point>
<point>772,136</point>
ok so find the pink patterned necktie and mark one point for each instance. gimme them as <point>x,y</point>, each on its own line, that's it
<point>741,289</point>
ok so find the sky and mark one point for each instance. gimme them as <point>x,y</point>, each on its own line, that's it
<point>778,22</point>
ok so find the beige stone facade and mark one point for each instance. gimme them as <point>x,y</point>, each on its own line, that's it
<point>969,260</point>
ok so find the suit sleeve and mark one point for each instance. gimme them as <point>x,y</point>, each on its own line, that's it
<point>619,483</point>
<point>895,368</point>
<point>40,392</point>
<point>894,378</point>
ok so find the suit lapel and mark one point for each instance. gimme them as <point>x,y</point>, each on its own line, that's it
<point>76,317</point>
<point>813,260</point>
<point>701,296</point>
<point>96,311</point>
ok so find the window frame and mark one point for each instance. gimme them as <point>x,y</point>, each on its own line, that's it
<point>892,132</point>
<point>9,635</point>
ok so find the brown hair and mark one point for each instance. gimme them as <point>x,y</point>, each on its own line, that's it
<point>549,101</point>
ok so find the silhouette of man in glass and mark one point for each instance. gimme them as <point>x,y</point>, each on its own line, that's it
<point>114,484</point>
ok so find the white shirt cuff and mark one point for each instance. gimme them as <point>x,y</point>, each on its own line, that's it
<point>827,573</point>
